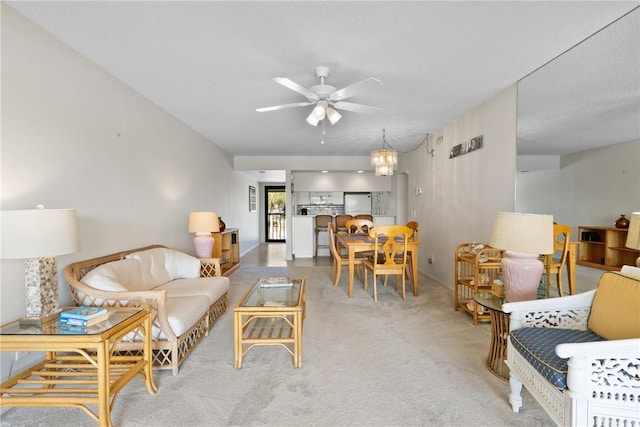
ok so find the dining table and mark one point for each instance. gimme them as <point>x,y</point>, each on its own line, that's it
<point>360,242</point>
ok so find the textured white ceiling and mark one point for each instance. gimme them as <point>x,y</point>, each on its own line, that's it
<point>211,64</point>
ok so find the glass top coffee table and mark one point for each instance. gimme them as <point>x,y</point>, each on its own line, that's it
<point>270,313</point>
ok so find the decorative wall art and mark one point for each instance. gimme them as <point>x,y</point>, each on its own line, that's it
<point>252,199</point>
<point>466,147</point>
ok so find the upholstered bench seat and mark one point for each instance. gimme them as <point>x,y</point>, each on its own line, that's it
<point>538,346</point>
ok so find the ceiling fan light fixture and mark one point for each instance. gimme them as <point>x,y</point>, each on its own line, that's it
<point>312,119</point>
<point>319,111</point>
<point>333,115</point>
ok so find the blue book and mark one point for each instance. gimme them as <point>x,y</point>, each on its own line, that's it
<point>83,316</point>
<point>83,312</point>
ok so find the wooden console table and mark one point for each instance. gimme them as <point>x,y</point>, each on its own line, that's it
<point>80,368</point>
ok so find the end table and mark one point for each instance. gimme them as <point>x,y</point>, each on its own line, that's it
<point>499,334</point>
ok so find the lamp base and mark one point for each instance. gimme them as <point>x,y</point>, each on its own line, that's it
<point>203,245</point>
<point>41,281</point>
<point>522,273</point>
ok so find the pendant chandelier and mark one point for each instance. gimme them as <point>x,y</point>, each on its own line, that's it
<point>384,159</point>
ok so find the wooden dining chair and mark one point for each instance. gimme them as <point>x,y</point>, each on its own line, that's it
<point>391,240</point>
<point>553,266</point>
<point>364,216</point>
<point>359,226</point>
<point>340,260</point>
<point>413,225</point>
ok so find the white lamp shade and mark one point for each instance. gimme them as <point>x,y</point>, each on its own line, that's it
<point>633,235</point>
<point>333,116</point>
<point>521,232</point>
<point>38,233</point>
<point>203,222</point>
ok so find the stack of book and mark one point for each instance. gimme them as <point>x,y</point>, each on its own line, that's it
<point>83,316</point>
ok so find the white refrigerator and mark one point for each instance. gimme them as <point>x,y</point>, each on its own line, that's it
<point>357,203</point>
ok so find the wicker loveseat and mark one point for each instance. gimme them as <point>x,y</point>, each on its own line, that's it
<point>184,304</point>
<point>579,356</point>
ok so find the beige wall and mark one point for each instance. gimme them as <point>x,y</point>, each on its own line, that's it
<point>592,187</point>
<point>460,196</point>
<point>73,136</point>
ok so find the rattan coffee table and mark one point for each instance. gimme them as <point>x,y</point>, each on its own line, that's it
<point>270,313</point>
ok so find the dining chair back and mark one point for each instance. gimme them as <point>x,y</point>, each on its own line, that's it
<point>359,226</point>
<point>364,216</point>
<point>413,225</point>
<point>390,258</point>
<point>339,260</point>
<point>341,222</point>
<point>553,266</point>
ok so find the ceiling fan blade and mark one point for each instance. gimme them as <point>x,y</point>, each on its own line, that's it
<point>296,87</point>
<point>356,108</point>
<point>350,90</point>
<point>281,107</point>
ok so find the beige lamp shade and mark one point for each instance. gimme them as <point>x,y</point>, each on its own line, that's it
<point>633,235</point>
<point>38,233</point>
<point>524,237</point>
<point>203,222</point>
<point>523,232</point>
<point>38,236</point>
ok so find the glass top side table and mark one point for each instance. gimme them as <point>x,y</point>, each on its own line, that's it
<point>499,334</point>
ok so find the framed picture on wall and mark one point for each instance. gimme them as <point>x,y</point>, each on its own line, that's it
<point>252,199</point>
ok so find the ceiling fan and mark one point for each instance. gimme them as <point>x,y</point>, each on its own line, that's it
<point>326,98</point>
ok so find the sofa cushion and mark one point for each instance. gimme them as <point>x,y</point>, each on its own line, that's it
<point>114,276</point>
<point>184,312</point>
<point>161,265</point>
<point>615,311</point>
<point>538,345</point>
<point>211,287</point>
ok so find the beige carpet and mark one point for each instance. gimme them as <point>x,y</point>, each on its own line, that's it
<point>418,363</point>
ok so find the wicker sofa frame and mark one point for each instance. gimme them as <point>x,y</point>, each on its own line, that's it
<point>169,350</point>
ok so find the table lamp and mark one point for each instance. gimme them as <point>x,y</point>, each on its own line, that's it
<point>633,235</point>
<point>37,236</point>
<point>523,237</point>
<point>203,224</point>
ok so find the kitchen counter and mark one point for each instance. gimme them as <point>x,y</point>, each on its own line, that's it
<point>303,235</point>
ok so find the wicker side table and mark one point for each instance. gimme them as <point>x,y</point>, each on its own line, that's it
<point>210,267</point>
<point>499,334</point>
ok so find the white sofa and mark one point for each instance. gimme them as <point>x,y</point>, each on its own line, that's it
<point>579,355</point>
<point>184,304</point>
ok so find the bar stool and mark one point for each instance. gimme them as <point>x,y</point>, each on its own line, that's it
<point>321,222</point>
<point>341,222</point>
<point>364,216</point>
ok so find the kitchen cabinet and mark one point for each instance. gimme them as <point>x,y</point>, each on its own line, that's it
<point>302,236</point>
<point>302,198</point>
<point>337,197</point>
<point>320,197</point>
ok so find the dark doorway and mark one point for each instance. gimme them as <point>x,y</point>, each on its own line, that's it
<point>275,208</point>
